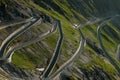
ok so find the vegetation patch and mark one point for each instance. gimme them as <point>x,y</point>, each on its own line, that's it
<point>22,61</point>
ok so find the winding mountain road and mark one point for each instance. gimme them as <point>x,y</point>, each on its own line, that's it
<point>54,58</point>
<point>89,22</point>
<point>55,54</point>
<point>106,54</point>
<point>12,49</point>
<point>79,50</point>
<point>12,24</point>
<point>16,33</point>
<point>93,21</point>
<point>72,59</point>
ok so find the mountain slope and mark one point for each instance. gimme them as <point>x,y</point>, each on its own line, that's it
<point>72,12</point>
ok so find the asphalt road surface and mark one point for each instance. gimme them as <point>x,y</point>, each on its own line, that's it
<point>15,34</point>
<point>11,50</point>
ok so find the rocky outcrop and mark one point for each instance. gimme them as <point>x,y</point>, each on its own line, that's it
<point>14,73</point>
<point>95,74</point>
<point>15,11</point>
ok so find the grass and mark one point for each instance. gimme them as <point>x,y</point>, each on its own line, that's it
<point>51,40</point>
<point>117,31</point>
<point>105,64</point>
<point>66,9</point>
<point>4,77</point>
<point>101,63</point>
<point>66,25</point>
<point>21,61</point>
<point>3,1</point>
<point>96,60</point>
